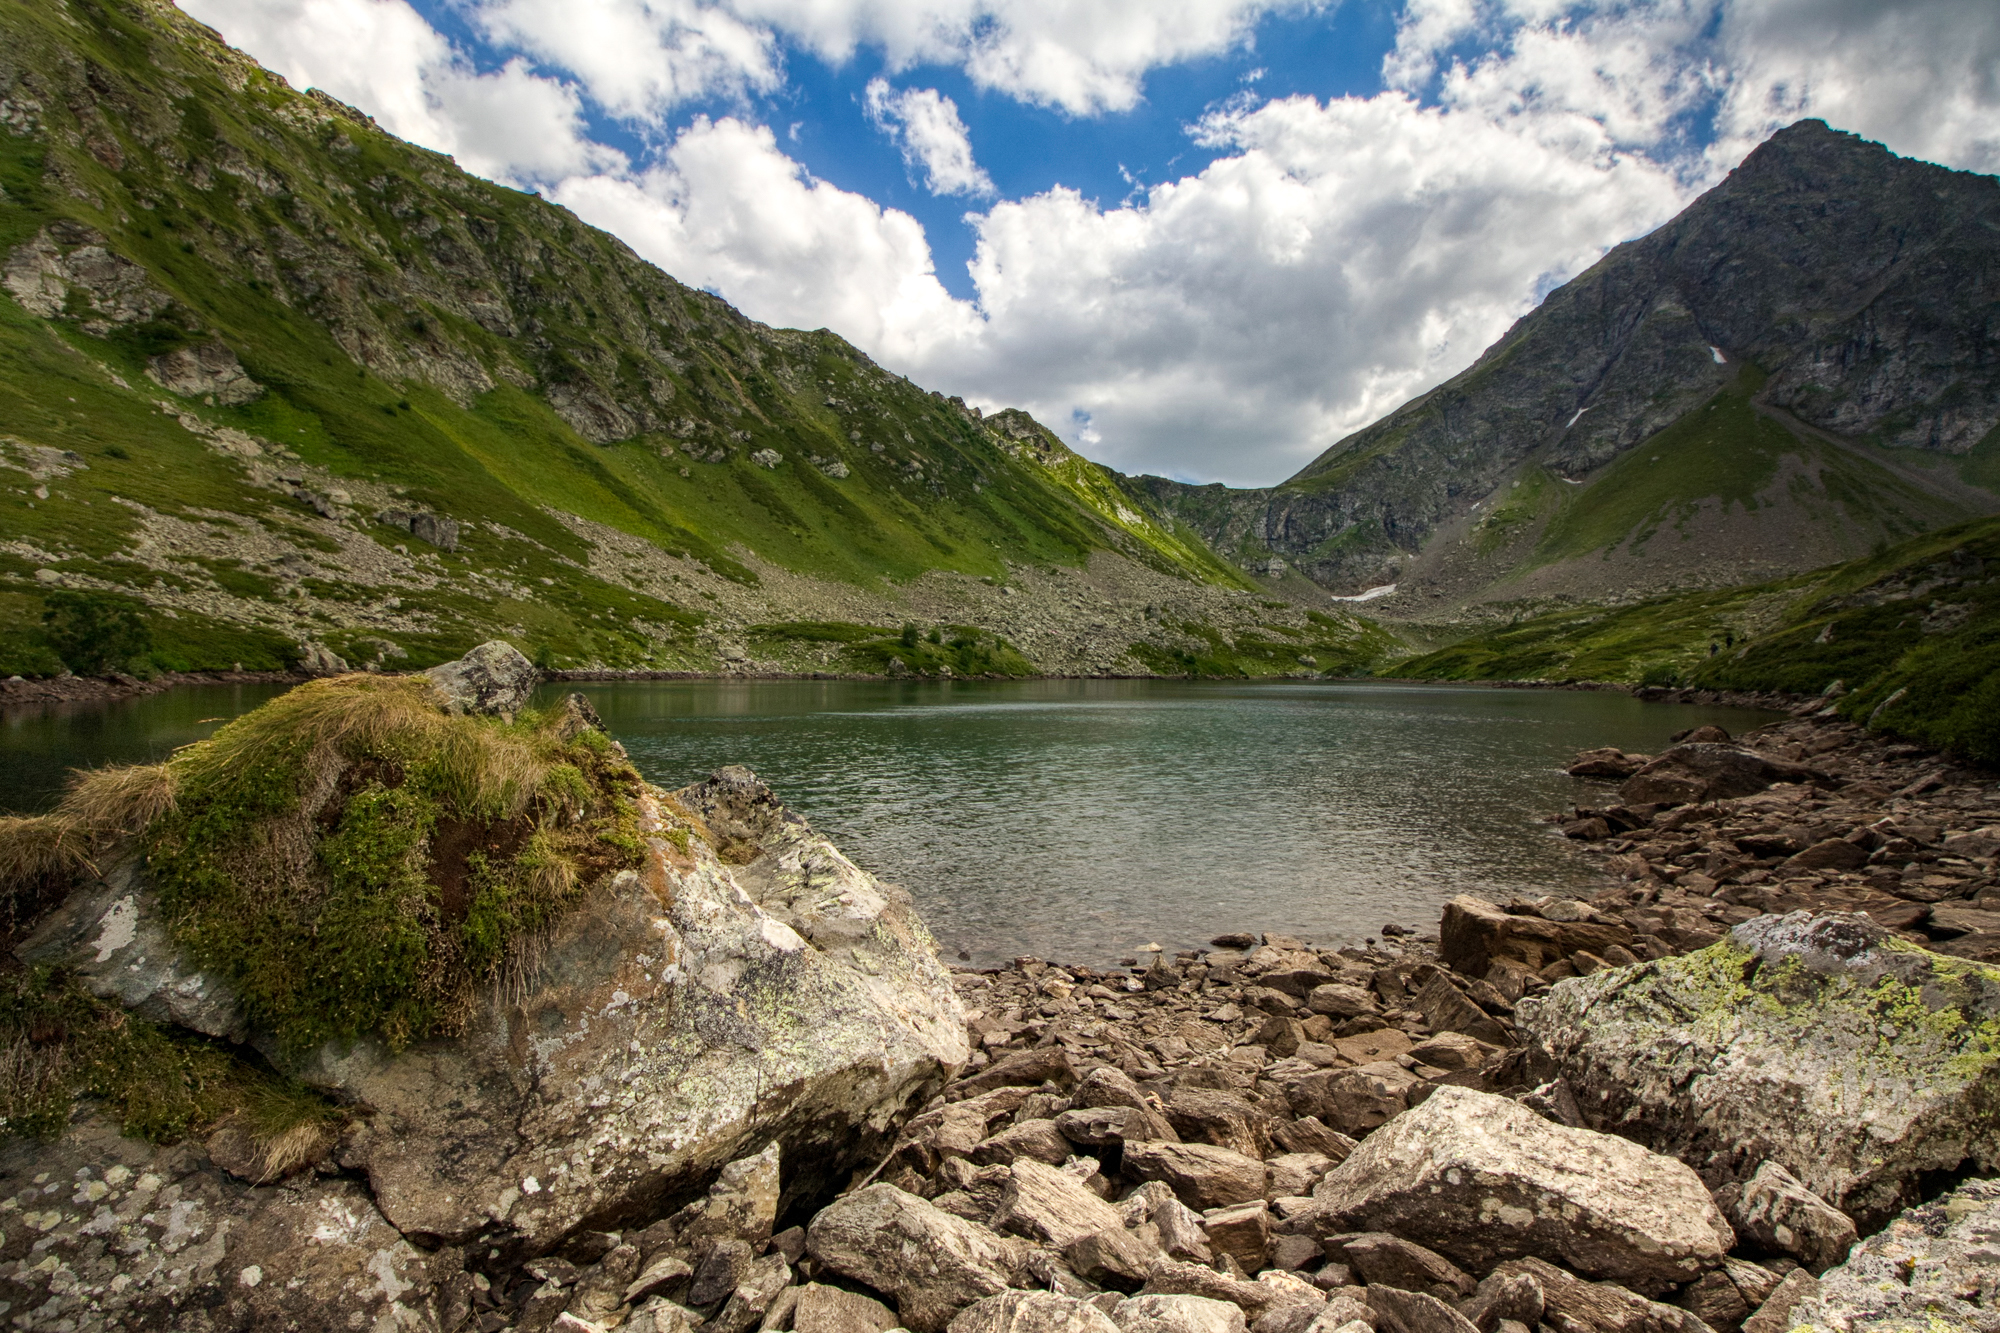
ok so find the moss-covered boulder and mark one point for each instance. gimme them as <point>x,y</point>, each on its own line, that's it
<point>461,952</point>
<point>1853,1059</point>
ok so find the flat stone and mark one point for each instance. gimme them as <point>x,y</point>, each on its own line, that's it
<point>932,1263</point>
<point>1243,1232</point>
<point>1031,1312</point>
<point>1045,1204</point>
<point>1474,934</point>
<point>1037,1140</point>
<point>1111,1126</point>
<point>1571,1303</point>
<point>824,1309</point>
<point>1203,1176</point>
<point>1377,1257</point>
<point>1479,1179</point>
<point>1177,1314</point>
<point>1708,772</point>
<point>1400,1311</point>
<point>1354,1101</point>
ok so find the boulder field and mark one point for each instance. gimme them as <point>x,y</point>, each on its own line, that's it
<point>733,1090</point>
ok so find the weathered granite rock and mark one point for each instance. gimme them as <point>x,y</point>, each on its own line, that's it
<point>1934,1267</point>
<point>111,934</point>
<point>1177,1314</point>
<point>1402,1311</point>
<point>1480,1178</point>
<point>1377,1257</point>
<point>1113,1257</point>
<point>1241,1231</point>
<point>1852,1059</point>
<point>1110,1126</point>
<point>205,370</point>
<point>934,1264</point>
<point>1031,1312</point>
<point>1708,772</point>
<point>1036,1140</point>
<point>108,1235</point>
<point>1045,1204</point>
<point>1354,1101</point>
<point>1775,1212</point>
<point>492,678</point>
<point>1775,1314</point>
<point>826,1309</point>
<point>1203,1176</point>
<point>683,1016</point>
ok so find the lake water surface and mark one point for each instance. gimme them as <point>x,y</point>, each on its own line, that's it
<point>1078,820</point>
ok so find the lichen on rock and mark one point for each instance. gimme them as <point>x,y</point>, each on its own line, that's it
<point>1854,1059</point>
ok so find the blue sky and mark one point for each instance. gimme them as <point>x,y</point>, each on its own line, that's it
<point>1202,238</point>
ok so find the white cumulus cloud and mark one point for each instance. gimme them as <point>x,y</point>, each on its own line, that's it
<point>382,56</point>
<point>925,124</point>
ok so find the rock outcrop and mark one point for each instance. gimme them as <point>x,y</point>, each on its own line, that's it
<point>1850,1058</point>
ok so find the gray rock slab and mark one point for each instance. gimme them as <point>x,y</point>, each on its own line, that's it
<point>1480,1179</point>
<point>1935,1268</point>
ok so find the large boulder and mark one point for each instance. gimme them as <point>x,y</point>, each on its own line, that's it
<point>492,678</point>
<point>106,1234</point>
<point>683,1015</point>
<point>932,1263</point>
<point>1480,1178</point>
<point>1934,1268</point>
<point>1708,771</point>
<point>1852,1059</point>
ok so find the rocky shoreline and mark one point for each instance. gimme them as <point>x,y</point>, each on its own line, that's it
<point>1750,1085</point>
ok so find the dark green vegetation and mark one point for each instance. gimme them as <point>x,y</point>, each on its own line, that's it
<point>345,325</point>
<point>939,650</point>
<point>1907,640</point>
<point>1331,646</point>
<point>352,860</point>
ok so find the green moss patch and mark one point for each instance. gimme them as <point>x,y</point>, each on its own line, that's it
<point>355,862</point>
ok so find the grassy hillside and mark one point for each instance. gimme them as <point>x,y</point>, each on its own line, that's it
<point>241,322</point>
<point>1907,640</point>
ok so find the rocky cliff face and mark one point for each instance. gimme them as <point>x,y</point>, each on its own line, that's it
<point>1845,293</point>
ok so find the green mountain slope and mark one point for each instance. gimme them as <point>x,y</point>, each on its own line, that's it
<point>270,376</point>
<point>1906,639</point>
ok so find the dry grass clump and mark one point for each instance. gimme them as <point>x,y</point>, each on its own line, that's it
<point>121,800</point>
<point>36,847</point>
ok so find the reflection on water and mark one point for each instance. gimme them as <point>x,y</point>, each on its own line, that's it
<point>1079,819</point>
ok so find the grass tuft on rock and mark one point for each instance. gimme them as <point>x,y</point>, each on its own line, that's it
<point>356,862</point>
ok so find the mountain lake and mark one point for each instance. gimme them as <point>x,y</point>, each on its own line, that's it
<point>1079,820</point>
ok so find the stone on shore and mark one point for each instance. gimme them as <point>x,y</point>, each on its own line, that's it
<point>1851,1058</point>
<point>1936,1267</point>
<point>1474,934</point>
<point>1177,1314</point>
<point>931,1263</point>
<point>1479,1179</point>
<point>1775,1212</point>
<point>1031,1312</point>
<point>1708,771</point>
<point>492,678</point>
<point>1201,1175</point>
